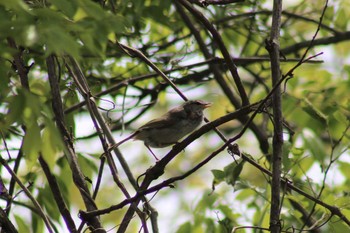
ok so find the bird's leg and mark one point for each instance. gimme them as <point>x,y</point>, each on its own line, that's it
<point>122,141</point>
<point>151,152</point>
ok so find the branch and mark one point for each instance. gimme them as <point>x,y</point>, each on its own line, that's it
<point>135,52</point>
<point>204,49</point>
<point>19,65</point>
<point>99,123</point>
<point>180,146</point>
<point>258,106</point>
<point>342,36</point>
<point>277,144</point>
<point>217,38</point>
<point>6,224</point>
<point>285,13</point>
<point>205,3</point>
<point>93,110</point>
<point>28,194</point>
<point>214,60</point>
<point>56,192</point>
<point>157,170</point>
<point>260,134</point>
<point>22,71</point>
<point>78,176</point>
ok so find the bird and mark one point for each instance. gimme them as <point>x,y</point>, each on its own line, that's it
<point>169,128</point>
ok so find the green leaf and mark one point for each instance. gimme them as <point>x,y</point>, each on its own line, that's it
<point>51,146</point>
<point>64,180</point>
<point>88,166</point>
<point>304,165</point>
<point>245,194</point>
<point>31,110</point>
<point>91,9</point>
<point>46,200</point>
<point>337,225</point>
<point>68,7</point>
<point>346,213</point>
<point>228,213</point>
<point>206,202</point>
<point>117,24</point>
<point>340,16</point>
<point>40,88</point>
<point>262,217</point>
<point>315,113</point>
<point>32,139</point>
<point>232,172</point>
<point>297,151</point>
<point>315,146</point>
<point>17,5</point>
<point>344,169</point>
<point>210,226</point>
<point>285,155</point>
<point>16,107</point>
<point>21,225</point>
<point>300,200</point>
<point>32,143</point>
<point>58,40</point>
<point>37,223</point>
<point>219,175</point>
<point>185,228</point>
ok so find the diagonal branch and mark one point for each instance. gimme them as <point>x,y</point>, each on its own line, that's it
<point>57,194</point>
<point>258,131</point>
<point>342,36</point>
<point>217,38</point>
<point>5,223</point>
<point>78,176</point>
<point>100,125</point>
<point>29,195</point>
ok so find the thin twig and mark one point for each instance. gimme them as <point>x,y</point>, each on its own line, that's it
<point>29,195</point>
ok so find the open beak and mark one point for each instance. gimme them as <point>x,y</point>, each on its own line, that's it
<point>206,105</point>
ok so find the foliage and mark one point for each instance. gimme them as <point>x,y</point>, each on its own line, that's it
<point>214,188</point>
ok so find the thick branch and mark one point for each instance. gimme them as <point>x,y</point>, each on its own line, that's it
<point>277,144</point>
<point>6,224</point>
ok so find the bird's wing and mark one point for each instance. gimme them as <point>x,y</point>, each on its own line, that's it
<point>167,120</point>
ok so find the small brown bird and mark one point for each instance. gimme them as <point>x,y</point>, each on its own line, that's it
<point>171,127</point>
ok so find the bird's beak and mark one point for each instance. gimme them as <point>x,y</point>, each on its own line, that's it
<point>206,105</point>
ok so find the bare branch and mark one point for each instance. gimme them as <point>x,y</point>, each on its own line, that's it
<point>78,176</point>
<point>217,38</point>
<point>29,195</point>
<point>277,144</point>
